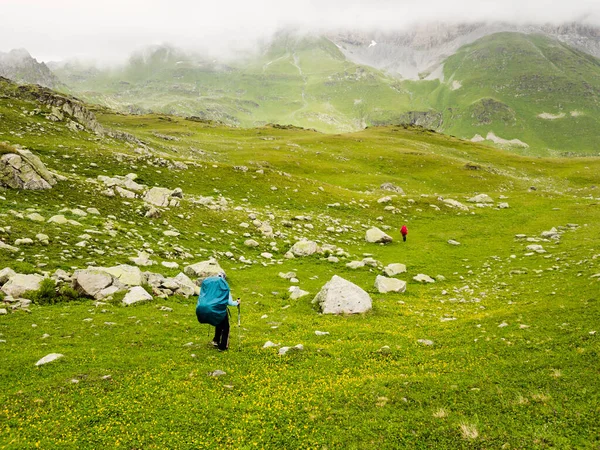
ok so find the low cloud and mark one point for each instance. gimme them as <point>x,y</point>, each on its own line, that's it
<point>111,30</point>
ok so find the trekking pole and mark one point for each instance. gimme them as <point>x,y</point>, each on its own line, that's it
<point>239,322</point>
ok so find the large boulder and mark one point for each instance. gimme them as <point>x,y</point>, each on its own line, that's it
<point>24,170</point>
<point>340,296</point>
<point>304,248</point>
<point>384,285</point>
<point>376,236</point>
<point>158,196</point>
<point>203,269</point>
<point>96,283</point>
<point>18,284</point>
<point>136,294</point>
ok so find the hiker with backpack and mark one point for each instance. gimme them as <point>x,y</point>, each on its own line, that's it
<point>214,298</point>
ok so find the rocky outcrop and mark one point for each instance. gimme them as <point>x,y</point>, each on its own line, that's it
<point>24,170</point>
<point>340,296</point>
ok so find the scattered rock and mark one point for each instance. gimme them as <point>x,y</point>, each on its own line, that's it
<point>136,294</point>
<point>394,269</point>
<point>422,278</point>
<point>48,359</point>
<point>481,198</point>
<point>391,187</point>
<point>296,292</point>
<point>322,333</point>
<point>270,344</point>
<point>384,285</point>
<point>304,248</point>
<point>453,242</point>
<point>217,373</point>
<point>425,342</point>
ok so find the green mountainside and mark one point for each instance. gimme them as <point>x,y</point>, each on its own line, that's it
<point>528,93</point>
<point>499,350</point>
<point>525,87</point>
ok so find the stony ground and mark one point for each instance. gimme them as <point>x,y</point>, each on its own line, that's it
<point>490,342</point>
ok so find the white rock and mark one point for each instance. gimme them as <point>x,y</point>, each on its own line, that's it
<point>251,243</point>
<point>375,235</point>
<point>453,242</point>
<point>304,248</point>
<point>158,196</point>
<point>296,292</point>
<point>355,264</point>
<point>3,312</point>
<point>171,233</point>
<point>481,198</point>
<point>270,344</point>
<point>385,199</point>
<point>18,284</point>
<point>503,205</point>
<point>384,285</point>
<point>170,264</point>
<point>204,269</point>
<point>283,350</point>
<point>10,248</point>
<point>455,204</point>
<point>136,294</point>
<point>49,358</point>
<point>322,333</point>
<point>341,296</point>
<point>288,275</point>
<point>6,274</point>
<point>422,278</point>
<point>217,373</point>
<point>425,342</point>
<point>58,219</point>
<point>35,217</point>
<point>394,269</point>
<point>536,248</point>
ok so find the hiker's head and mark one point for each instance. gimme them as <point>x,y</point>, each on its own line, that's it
<point>222,275</point>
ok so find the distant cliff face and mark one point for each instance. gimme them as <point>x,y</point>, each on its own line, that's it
<point>416,53</point>
<point>19,66</point>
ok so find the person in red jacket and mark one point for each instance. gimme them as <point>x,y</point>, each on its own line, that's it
<point>404,231</point>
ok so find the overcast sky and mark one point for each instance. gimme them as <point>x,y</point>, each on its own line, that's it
<point>109,30</point>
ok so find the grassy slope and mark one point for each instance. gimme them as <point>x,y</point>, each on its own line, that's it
<point>524,76</point>
<point>530,387</point>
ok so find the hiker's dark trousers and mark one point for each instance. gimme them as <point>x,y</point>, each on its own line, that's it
<point>404,237</point>
<point>222,334</point>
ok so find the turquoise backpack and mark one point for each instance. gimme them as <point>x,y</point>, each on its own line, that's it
<point>212,301</point>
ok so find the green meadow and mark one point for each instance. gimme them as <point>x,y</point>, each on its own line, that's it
<point>501,351</point>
